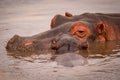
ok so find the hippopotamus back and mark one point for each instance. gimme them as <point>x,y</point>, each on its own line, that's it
<point>70,60</point>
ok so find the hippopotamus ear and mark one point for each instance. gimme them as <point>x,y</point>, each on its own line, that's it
<point>101,28</point>
<point>67,14</point>
<point>53,21</point>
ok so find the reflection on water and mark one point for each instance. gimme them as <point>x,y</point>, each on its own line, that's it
<point>96,50</point>
<point>101,49</point>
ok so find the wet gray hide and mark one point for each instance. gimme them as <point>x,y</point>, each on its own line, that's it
<point>70,60</point>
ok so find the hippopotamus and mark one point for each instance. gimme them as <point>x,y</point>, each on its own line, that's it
<point>69,33</point>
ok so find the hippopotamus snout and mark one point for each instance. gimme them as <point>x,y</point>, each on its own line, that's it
<point>14,43</point>
<point>26,45</point>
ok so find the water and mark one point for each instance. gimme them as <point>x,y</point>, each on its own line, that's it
<point>29,17</point>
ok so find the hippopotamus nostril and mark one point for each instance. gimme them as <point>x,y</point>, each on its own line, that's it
<point>28,43</point>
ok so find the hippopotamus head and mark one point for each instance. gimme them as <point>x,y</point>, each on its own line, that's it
<point>58,39</point>
<point>68,37</point>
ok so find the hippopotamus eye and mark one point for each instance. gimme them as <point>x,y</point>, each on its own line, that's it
<point>81,31</point>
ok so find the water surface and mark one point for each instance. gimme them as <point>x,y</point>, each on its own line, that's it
<point>29,17</point>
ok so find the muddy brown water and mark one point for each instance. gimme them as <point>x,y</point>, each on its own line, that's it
<point>29,17</point>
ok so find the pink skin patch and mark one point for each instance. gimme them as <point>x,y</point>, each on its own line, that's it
<point>28,43</point>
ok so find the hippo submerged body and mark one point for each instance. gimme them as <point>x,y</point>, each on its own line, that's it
<point>71,32</point>
<point>71,60</point>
